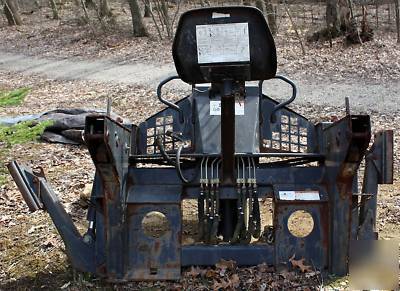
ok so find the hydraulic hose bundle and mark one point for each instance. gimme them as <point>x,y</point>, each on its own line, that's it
<point>255,217</point>
<point>249,221</point>
<point>208,201</point>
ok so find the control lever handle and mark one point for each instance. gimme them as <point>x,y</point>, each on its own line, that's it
<point>287,102</point>
<point>166,102</point>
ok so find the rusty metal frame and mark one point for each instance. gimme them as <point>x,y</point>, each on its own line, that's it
<point>156,165</point>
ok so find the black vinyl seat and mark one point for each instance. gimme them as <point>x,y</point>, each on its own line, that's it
<point>215,44</point>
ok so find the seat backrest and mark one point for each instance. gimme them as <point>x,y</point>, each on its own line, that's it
<point>215,44</point>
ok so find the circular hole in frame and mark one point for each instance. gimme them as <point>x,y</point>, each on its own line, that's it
<point>155,224</point>
<point>300,223</point>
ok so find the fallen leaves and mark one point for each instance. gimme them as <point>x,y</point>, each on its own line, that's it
<point>69,168</point>
<point>226,265</point>
<point>227,284</point>
<point>300,264</point>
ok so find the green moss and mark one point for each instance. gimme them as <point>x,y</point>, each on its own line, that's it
<point>14,97</point>
<point>22,132</point>
<point>17,134</point>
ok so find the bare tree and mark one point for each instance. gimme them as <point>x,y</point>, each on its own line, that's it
<point>397,15</point>
<point>271,16</point>
<point>90,4</point>
<point>53,6</point>
<point>148,9</point>
<point>139,28</point>
<point>85,11</point>
<point>163,7</point>
<point>332,17</point>
<point>104,10</point>
<point>11,12</point>
<point>163,17</point>
<point>294,26</point>
<point>260,5</point>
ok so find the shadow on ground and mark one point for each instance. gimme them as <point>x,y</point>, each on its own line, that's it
<point>42,281</point>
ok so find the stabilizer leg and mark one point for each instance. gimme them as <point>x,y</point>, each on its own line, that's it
<point>39,195</point>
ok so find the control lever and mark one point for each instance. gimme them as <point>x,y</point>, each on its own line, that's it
<point>166,102</point>
<point>283,104</point>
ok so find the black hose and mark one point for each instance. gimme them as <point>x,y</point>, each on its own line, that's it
<point>256,213</point>
<point>247,233</point>
<point>214,228</point>
<point>163,152</point>
<point>178,165</point>
<point>240,222</point>
<point>200,209</point>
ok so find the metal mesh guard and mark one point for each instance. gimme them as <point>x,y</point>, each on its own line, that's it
<point>163,124</point>
<point>288,134</point>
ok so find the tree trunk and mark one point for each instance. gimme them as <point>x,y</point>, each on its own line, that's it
<point>332,17</point>
<point>83,3</point>
<point>11,12</point>
<point>271,16</point>
<point>397,12</point>
<point>345,14</point>
<point>260,5</point>
<point>294,26</point>
<point>90,4</point>
<point>137,21</point>
<point>53,6</point>
<point>166,19</point>
<point>147,8</point>
<point>104,9</point>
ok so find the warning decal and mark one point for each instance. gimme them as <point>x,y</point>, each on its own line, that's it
<point>223,43</point>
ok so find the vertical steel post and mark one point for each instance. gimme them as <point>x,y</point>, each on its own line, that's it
<point>228,133</point>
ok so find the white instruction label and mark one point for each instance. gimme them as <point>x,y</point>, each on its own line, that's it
<point>239,108</point>
<point>215,107</point>
<point>220,15</point>
<point>222,43</point>
<point>299,195</point>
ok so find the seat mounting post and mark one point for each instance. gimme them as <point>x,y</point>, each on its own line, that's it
<point>228,132</point>
<point>230,89</point>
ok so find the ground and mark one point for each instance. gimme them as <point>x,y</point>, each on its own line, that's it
<point>67,65</point>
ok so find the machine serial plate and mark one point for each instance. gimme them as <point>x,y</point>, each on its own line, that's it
<point>223,43</point>
<point>299,195</point>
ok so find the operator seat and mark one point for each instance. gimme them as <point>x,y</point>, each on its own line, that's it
<point>215,44</point>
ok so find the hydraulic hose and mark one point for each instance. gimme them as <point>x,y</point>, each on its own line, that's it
<point>251,202</point>
<point>207,203</point>
<point>164,154</point>
<point>240,221</point>
<point>244,235</point>
<point>200,203</point>
<point>214,229</point>
<point>178,165</point>
<point>256,206</point>
<point>210,221</point>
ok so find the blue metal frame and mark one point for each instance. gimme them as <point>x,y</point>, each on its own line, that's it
<point>227,174</point>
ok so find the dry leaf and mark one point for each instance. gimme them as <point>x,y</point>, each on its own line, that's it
<point>219,285</point>
<point>210,273</point>
<point>264,268</point>
<point>194,272</point>
<point>223,264</point>
<point>300,264</point>
<point>234,281</point>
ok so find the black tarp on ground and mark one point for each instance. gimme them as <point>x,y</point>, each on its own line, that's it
<point>67,126</point>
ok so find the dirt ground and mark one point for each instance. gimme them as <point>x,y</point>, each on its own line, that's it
<point>31,251</point>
